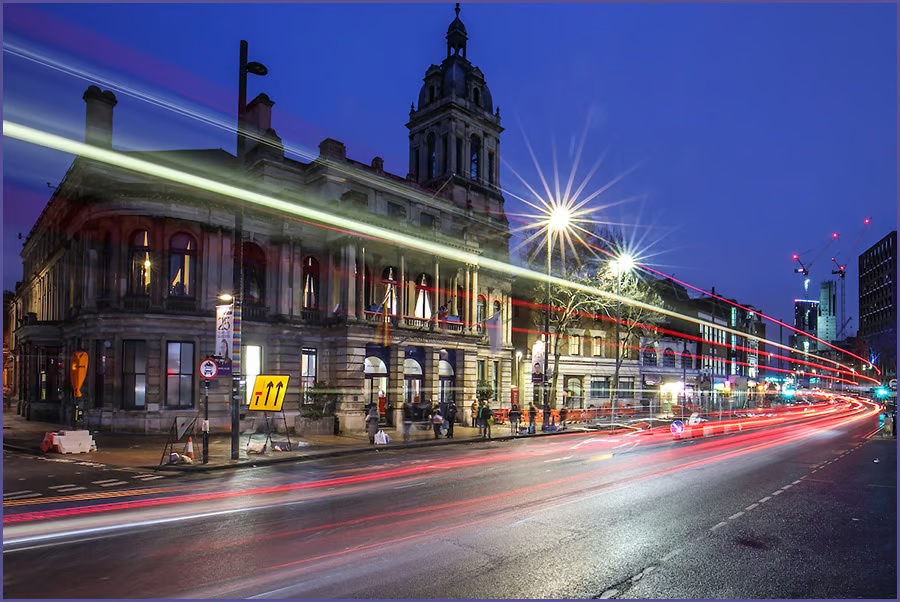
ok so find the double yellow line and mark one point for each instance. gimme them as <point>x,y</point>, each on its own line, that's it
<point>96,495</point>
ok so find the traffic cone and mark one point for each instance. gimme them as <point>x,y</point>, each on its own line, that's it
<point>189,451</point>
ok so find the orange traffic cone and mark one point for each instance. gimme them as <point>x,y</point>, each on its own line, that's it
<point>189,451</point>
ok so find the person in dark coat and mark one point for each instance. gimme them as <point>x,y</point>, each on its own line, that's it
<point>515,416</point>
<point>407,420</point>
<point>563,412</point>
<point>532,417</point>
<point>485,415</point>
<point>372,423</point>
<point>451,419</point>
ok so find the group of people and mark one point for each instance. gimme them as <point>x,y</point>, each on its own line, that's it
<point>442,418</point>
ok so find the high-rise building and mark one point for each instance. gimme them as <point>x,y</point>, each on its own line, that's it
<point>806,319</point>
<point>878,303</point>
<point>827,320</point>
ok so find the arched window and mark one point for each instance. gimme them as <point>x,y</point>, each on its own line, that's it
<point>389,291</point>
<point>649,357</point>
<point>475,157</point>
<point>668,358</point>
<point>310,283</point>
<point>423,297</point>
<point>498,307</point>
<point>476,96</point>
<point>182,265</point>
<point>481,310</point>
<point>139,266</point>
<point>432,155</point>
<point>254,275</point>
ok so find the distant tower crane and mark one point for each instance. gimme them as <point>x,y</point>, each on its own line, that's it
<point>841,272</point>
<point>804,269</point>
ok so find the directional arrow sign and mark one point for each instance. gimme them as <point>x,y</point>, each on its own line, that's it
<point>268,393</point>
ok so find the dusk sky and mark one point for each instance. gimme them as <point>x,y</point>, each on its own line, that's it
<point>755,131</point>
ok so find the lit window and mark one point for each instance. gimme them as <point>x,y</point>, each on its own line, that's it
<point>180,375</point>
<point>139,264</point>
<point>182,265</point>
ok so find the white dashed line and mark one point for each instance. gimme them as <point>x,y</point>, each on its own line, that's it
<point>751,506</point>
<point>21,496</point>
<point>14,493</point>
<point>779,492</point>
<point>765,499</point>
<point>714,527</point>
<point>114,483</point>
<point>62,486</point>
<point>104,481</point>
<point>786,487</point>
<point>149,477</point>
<point>797,481</point>
<point>71,489</point>
<point>734,516</point>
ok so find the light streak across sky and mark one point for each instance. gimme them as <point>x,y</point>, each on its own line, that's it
<point>131,163</point>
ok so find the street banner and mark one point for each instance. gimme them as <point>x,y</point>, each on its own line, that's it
<point>224,338</point>
<point>537,362</point>
<point>79,371</point>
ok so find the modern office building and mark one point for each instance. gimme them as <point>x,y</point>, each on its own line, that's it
<point>826,324</point>
<point>878,303</point>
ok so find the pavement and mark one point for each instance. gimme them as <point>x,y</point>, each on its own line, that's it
<point>150,451</point>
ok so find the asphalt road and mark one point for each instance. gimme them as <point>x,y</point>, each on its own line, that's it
<point>796,511</point>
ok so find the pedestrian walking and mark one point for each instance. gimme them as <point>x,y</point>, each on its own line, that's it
<point>407,420</point>
<point>546,417</point>
<point>451,419</point>
<point>372,423</point>
<point>532,418</point>
<point>486,419</point>
<point>515,416</point>
<point>437,421</point>
<point>475,421</point>
<point>563,413</point>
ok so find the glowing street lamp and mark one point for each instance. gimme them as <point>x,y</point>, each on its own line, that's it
<point>620,266</point>
<point>558,223</point>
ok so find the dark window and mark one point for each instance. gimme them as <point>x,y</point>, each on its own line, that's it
<point>668,358</point>
<point>105,265</point>
<point>649,357</point>
<point>432,156</point>
<point>490,168</point>
<point>180,375</point>
<point>626,388</point>
<point>476,96</point>
<point>139,265</point>
<point>134,375</point>
<point>600,388</point>
<point>475,157</point>
<point>459,155</point>
<point>254,275</point>
<point>426,220</point>
<point>182,265</point>
<point>445,152</point>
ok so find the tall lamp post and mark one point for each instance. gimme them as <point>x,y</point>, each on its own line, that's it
<point>621,265</point>
<point>684,357</point>
<point>558,222</point>
<point>238,273</point>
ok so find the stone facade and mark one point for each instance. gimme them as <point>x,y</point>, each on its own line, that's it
<point>129,267</point>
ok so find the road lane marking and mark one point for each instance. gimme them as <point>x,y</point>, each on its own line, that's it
<point>765,499</point>
<point>62,486</point>
<point>786,487</point>
<point>734,516</point>
<point>751,506</point>
<point>20,496</point>
<point>797,481</point>
<point>12,493</point>
<point>722,524</point>
<point>94,495</point>
<point>603,457</point>
<point>71,489</point>
<point>114,483</point>
<point>104,481</point>
<point>149,477</point>
<point>779,492</point>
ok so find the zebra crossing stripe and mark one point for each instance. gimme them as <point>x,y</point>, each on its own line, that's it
<point>149,477</point>
<point>113,484</point>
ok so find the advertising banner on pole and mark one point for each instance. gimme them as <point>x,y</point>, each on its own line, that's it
<point>537,362</point>
<point>224,338</point>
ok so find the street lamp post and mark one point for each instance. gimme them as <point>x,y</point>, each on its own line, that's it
<point>238,272</point>
<point>684,354</point>
<point>621,264</point>
<point>560,216</point>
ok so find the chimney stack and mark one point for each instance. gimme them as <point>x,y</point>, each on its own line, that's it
<point>99,116</point>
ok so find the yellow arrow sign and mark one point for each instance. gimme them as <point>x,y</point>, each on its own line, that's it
<point>268,393</point>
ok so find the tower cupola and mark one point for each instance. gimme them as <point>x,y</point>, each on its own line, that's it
<point>456,36</point>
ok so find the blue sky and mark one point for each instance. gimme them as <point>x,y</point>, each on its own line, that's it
<point>757,130</point>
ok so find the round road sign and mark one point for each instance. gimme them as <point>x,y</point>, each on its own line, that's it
<point>677,427</point>
<point>208,368</point>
